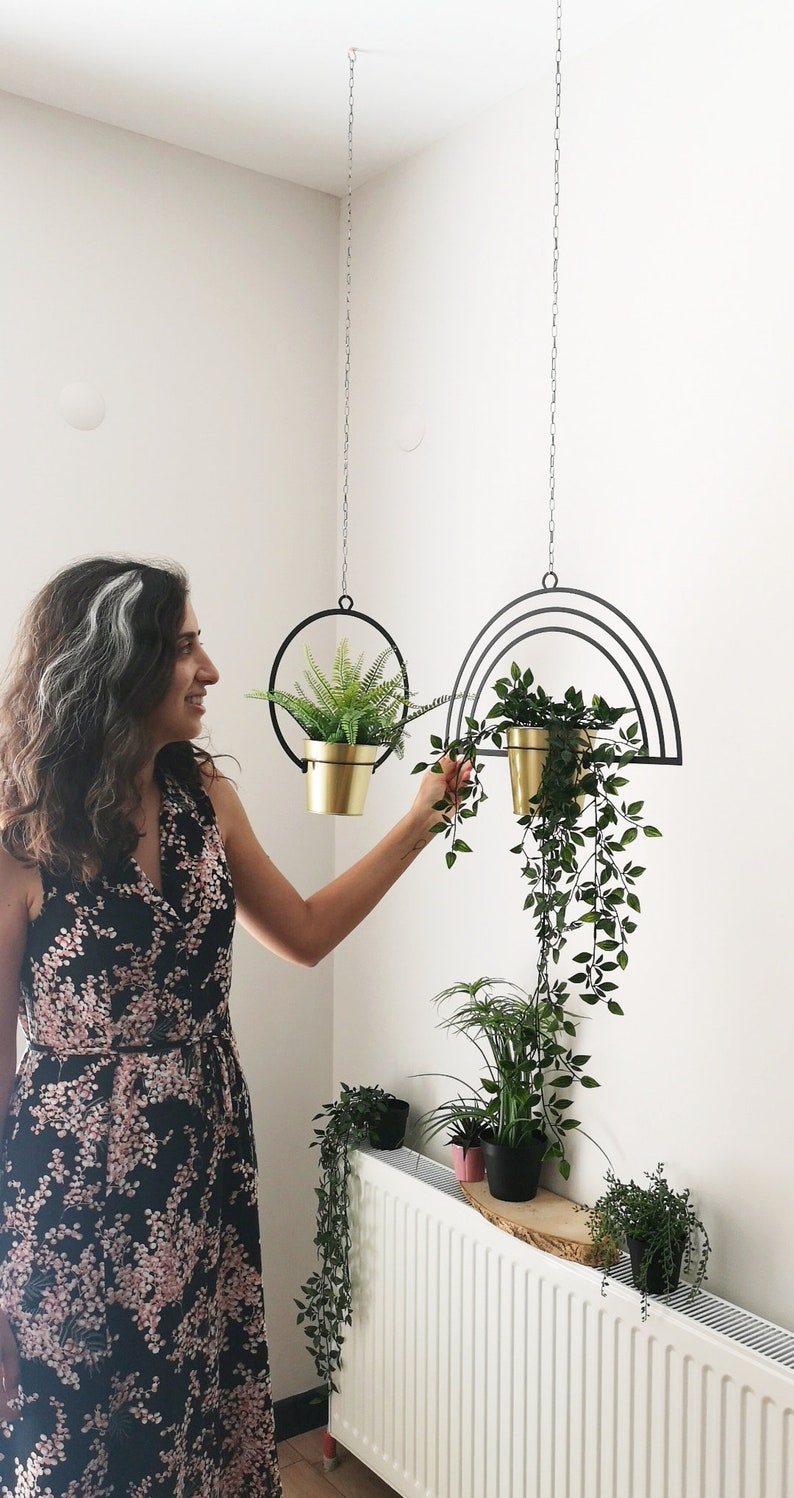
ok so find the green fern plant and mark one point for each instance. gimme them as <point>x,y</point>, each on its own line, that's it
<point>351,704</point>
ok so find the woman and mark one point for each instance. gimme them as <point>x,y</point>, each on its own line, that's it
<point>132,1337</point>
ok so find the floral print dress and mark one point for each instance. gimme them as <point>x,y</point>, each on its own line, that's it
<point>129,1236</point>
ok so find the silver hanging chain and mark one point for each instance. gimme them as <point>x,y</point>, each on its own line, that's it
<point>346,448</point>
<point>550,577</point>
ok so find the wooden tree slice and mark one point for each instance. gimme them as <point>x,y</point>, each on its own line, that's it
<point>549,1221</point>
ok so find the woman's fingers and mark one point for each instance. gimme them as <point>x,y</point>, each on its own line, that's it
<point>457,773</point>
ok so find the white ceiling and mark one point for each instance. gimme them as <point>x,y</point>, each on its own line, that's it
<point>265,85</point>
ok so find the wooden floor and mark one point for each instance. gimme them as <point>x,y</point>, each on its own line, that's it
<point>302,1473</point>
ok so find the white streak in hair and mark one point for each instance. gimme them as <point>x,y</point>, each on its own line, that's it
<point>100,649</point>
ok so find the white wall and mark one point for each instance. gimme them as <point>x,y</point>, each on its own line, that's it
<point>200,299</point>
<point>676,375</point>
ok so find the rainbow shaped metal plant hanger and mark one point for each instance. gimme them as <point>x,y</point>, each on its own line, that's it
<point>572,611</point>
<point>551,609</point>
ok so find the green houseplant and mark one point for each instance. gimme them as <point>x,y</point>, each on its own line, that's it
<point>576,849</point>
<point>326,1307</point>
<point>529,1067</point>
<point>660,1228</point>
<point>462,1119</point>
<point>349,715</point>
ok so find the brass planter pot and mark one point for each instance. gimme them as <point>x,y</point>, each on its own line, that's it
<point>526,753</point>
<point>337,777</point>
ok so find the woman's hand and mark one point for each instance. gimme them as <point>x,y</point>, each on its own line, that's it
<point>442,783</point>
<point>9,1371</point>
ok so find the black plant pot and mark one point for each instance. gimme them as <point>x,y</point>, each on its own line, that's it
<point>513,1171</point>
<point>658,1280</point>
<point>387,1130</point>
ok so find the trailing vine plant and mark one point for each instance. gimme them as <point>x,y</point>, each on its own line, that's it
<point>326,1307</point>
<point>660,1219</point>
<point>576,848</point>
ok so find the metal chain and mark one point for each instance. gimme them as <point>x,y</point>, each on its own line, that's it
<point>346,447</point>
<point>551,574</point>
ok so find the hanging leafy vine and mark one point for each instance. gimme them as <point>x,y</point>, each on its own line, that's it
<point>577,857</point>
<point>326,1308</point>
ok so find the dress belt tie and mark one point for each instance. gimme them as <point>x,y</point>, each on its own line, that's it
<point>127,1050</point>
<point>220,1043</point>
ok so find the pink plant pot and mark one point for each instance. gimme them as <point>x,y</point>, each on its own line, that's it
<point>469,1165</point>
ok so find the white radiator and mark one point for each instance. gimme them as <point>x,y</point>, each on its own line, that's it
<point>479,1367</point>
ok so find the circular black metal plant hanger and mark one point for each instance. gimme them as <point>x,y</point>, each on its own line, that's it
<point>347,611</point>
<point>344,606</point>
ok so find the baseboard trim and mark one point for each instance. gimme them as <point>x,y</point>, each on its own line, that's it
<point>300,1412</point>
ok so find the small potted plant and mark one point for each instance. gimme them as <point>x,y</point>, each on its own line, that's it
<point>660,1228</point>
<point>465,1141</point>
<point>529,1068</point>
<point>462,1119</point>
<point>349,715</point>
<point>326,1307</point>
<point>388,1124</point>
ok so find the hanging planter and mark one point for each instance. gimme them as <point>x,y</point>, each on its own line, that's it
<point>539,733</point>
<point>527,756</point>
<point>580,615</point>
<point>353,716</point>
<point>527,749</point>
<point>337,777</point>
<point>579,867</point>
<point>345,709</point>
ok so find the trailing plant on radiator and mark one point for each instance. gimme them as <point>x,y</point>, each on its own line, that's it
<point>660,1227</point>
<point>326,1307</point>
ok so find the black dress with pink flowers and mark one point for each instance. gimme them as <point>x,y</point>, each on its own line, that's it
<point>129,1237</point>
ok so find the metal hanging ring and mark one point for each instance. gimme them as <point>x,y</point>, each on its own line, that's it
<point>346,609</point>
<point>549,580</point>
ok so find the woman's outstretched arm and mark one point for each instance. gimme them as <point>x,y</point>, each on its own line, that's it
<point>306,930</point>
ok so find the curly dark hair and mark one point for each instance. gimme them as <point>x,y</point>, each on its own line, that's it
<point>94,656</point>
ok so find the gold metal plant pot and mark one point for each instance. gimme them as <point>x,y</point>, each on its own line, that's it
<point>337,777</point>
<point>526,753</point>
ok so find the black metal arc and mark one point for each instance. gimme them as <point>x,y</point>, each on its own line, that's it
<point>461,691</point>
<point>557,629</point>
<point>546,629</point>
<point>347,611</point>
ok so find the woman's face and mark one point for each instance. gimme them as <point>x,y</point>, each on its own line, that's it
<point>179,715</point>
